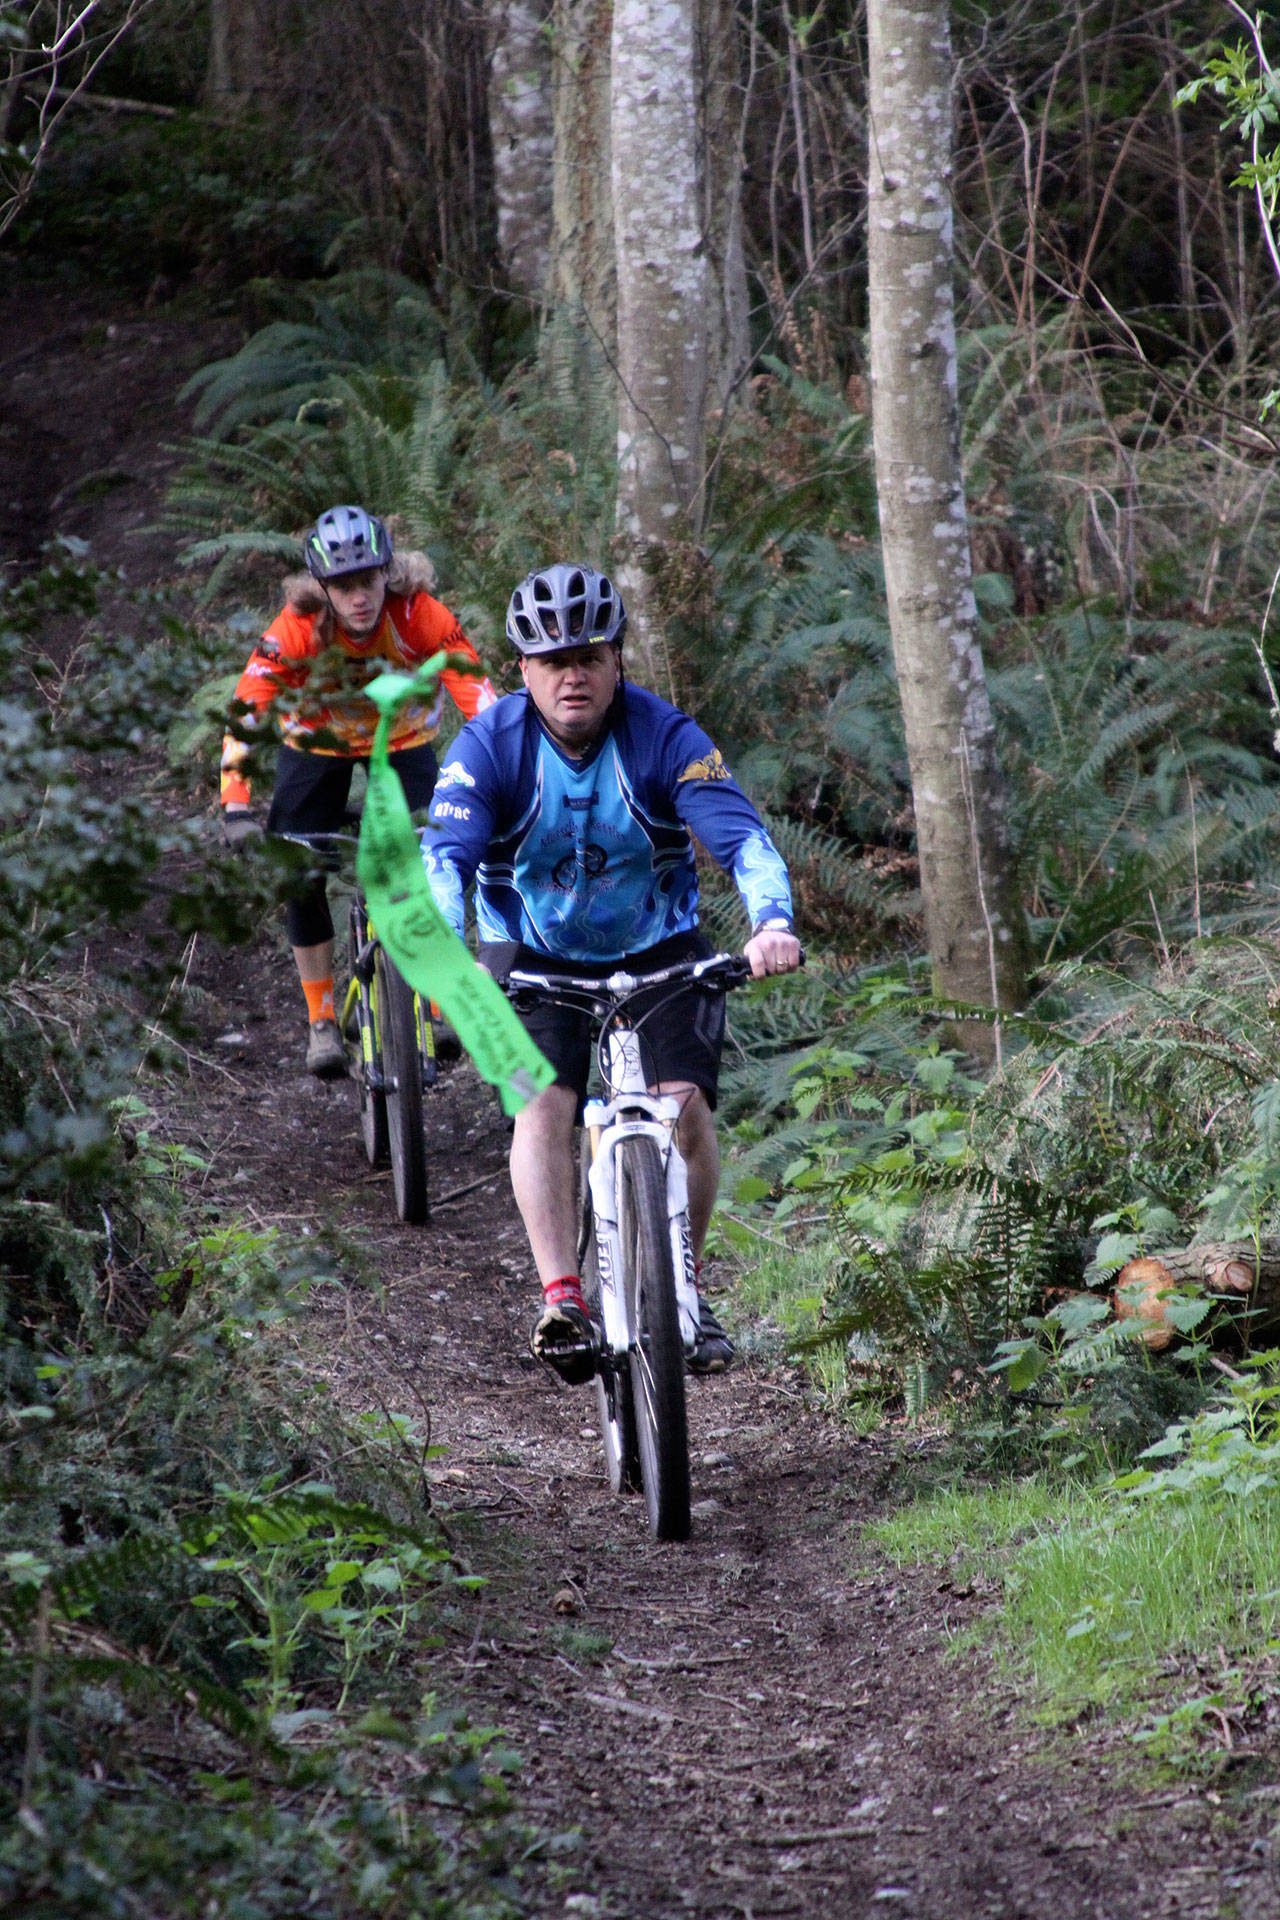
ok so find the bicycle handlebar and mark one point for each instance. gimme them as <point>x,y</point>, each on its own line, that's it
<point>317,842</point>
<point>718,973</point>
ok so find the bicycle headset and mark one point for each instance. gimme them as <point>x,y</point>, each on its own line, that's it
<point>563,606</point>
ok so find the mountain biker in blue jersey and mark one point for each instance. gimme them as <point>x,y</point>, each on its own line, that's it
<point>571,805</point>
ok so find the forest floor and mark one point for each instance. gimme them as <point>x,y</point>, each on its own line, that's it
<point>767,1720</point>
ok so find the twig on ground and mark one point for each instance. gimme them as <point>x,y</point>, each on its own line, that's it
<point>447,1199</point>
<point>812,1838</point>
<point>616,1703</point>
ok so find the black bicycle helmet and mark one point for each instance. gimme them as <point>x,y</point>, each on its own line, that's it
<point>563,606</point>
<point>346,540</point>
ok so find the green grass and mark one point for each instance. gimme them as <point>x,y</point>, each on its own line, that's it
<point>1164,1614</point>
<point>1103,1608</point>
<point>777,1297</point>
<point>778,1281</point>
<point>973,1524</point>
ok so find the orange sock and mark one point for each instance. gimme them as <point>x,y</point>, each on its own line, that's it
<point>319,999</point>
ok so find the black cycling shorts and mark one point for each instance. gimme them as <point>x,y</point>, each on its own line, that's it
<point>312,789</point>
<point>310,796</point>
<point>681,1035</point>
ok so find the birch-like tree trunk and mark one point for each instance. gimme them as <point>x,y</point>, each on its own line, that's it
<point>973,923</point>
<point>662,302</point>
<point>724,105</point>
<point>235,54</point>
<point>582,283</point>
<point>520,120</point>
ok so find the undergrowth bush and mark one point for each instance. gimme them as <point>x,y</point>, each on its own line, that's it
<point>971,1229</point>
<point>490,474</point>
<point>214,1586</point>
<point>219,200</point>
<point>82,855</point>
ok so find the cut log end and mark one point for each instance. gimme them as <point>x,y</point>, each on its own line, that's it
<point>1141,1289</point>
<point>1236,1271</point>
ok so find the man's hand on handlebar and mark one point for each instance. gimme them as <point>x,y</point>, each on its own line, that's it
<point>773,950</point>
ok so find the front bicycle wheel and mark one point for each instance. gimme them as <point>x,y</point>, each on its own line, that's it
<point>615,1403</point>
<point>402,1071</point>
<point>657,1352</point>
<point>360,1029</point>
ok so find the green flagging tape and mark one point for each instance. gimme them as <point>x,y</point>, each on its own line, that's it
<point>411,926</point>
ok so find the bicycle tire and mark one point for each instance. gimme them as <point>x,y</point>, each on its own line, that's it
<point>402,1068</point>
<point>615,1402</point>
<point>361,1033</point>
<point>657,1351</point>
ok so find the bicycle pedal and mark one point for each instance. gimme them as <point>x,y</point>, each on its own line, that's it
<point>576,1363</point>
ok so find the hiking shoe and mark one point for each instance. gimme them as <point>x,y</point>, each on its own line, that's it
<point>326,1055</point>
<point>565,1338</point>
<point>713,1349</point>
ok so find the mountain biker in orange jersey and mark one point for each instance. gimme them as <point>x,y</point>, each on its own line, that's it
<point>359,610</point>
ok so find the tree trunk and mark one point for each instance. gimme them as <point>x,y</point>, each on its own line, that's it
<point>582,284</point>
<point>235,54</point>
<point>520,119</point>
<point>1238,1272</point>
<point>662,304</point>
<point>723,107</point>
<point>973,923</point>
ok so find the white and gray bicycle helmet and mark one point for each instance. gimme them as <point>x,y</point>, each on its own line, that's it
<point>562,606</point>
<point>346,540</point>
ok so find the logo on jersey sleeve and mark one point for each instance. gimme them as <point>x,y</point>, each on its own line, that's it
<point>455,775</point>
<point>710,767</point>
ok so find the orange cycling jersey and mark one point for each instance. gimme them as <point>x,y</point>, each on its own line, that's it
<point>318,691</point>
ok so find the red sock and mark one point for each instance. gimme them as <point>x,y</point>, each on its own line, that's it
<point>567,1288</point>
<point>319,999</point>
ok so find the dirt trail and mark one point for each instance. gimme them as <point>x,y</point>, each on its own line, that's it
<point>765,1721</point>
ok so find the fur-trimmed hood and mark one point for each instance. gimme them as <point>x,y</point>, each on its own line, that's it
<point>409,573</point>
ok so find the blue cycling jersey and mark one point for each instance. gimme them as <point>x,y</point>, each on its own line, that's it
<point>589,859</point>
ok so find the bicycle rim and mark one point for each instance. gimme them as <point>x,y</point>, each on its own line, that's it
<point>360,1031</point>
<point>657,1352</point>
<point>615,1405</point>
<point>403,1073</point>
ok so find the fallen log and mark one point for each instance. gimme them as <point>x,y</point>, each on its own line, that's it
<point>1239,1273</point>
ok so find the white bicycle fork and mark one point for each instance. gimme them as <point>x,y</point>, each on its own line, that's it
<point>634,1111</point>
